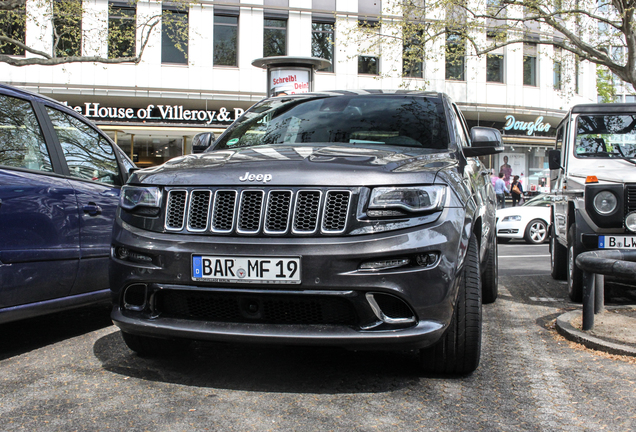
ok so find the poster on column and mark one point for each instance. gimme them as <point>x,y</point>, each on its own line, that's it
<point>288,81</point>
<point>512,164</point>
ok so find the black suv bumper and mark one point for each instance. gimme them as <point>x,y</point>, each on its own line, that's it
<point>335,303</point>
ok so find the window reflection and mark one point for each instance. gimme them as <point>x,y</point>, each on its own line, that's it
<point>88,155</point>
<point>21,142</point>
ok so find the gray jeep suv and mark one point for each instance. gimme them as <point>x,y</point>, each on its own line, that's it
<point>358,219</point>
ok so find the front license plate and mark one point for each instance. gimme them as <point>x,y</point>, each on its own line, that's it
<point>617,242</point>
<point>267,270</point>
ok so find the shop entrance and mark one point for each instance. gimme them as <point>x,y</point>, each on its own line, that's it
<point>153,146</point>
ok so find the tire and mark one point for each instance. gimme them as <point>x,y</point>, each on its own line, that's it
<point>459,349</point>
<point>146,346</point>
<point>575,275</point>
<point>558,258</point>
<point>490,277</point>
<point>536,232</point>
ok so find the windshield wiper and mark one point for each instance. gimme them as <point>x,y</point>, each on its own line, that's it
<point>626,158</point>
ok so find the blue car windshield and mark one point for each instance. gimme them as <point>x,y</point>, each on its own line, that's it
<point>400,120</point>
<point>606,136</point>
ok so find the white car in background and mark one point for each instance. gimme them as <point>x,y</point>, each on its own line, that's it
<point>528,221</point>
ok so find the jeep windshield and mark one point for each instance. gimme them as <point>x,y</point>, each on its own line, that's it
<point>396,120</point>
<point>606,136</point>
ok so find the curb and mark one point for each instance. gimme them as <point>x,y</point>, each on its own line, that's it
<point>568,331</point>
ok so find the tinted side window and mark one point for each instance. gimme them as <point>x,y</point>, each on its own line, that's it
<point>461,128</point>
<point>21,142</point>
<point>89,156</point>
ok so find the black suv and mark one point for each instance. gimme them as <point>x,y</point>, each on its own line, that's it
<point>359,219</point>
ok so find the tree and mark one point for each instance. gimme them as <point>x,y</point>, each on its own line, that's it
<point>70,31</point>
<point>605,87</point>
<point>582,29</point>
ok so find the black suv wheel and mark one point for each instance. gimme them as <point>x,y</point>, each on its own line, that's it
<point>459,349</point>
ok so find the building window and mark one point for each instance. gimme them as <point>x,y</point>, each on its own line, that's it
<point>322,42</point>
<point>274,37</point>
<point>225,40</point>
<point>368,60</point>
<point>495,68</point>
<point>174,36</point>
<point>368,65</point>
<point>630,98</point>
<point>67,28</point>
<point>12,25</point>
<point>577,71</point>
<point>529,64</point>
<point>556,74</point>
<point>412,64</point>
<point>122,27</point>
<point>455,50</point>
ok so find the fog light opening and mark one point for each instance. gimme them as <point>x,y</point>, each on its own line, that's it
<point>385,264</point>
<point>427,260</point>
<point>126,254</point>
<point>121,253</point>
<point>135,297</point>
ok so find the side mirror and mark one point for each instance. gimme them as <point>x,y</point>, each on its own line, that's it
<point>554,159</point>
<point>485,141</point>
<point>202,141</point>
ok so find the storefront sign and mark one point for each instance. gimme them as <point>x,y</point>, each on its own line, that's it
<point>529,127</point>
<point>289,81</point>
<point>166,113</point>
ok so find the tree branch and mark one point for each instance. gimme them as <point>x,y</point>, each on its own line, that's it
<point>23,46</point>
<point>8,5</point>
<point>51,61</point>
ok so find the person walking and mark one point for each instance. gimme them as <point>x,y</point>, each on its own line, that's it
<point>493,177</point>
<point>501,190</point>
<point>516,191</point>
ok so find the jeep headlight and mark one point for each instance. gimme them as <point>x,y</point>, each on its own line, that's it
<point>410,198</point>
<point>630,222</point>
<point>605,202</point>
<point>132,197</point>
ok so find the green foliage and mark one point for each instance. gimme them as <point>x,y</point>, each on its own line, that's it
<point>12,25</point>
<point>579,30</point>
<point>121,31</point>
<point>67,28</point>
<point>605,85</point>
<point>66,31</point>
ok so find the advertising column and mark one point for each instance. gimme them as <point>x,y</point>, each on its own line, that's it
<point>290,75</point>
<point>285,81</point>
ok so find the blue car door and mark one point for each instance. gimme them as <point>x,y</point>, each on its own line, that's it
<point>95,175</point>
<point>39,220</point>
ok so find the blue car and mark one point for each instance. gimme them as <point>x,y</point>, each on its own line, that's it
<point>60,179</point>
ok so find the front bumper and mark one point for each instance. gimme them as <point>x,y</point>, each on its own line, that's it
<point>409,306</point>
<point>513,230</point>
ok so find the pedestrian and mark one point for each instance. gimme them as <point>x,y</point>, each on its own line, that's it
<point>516,191</point>
<point>501,190</point>
<point>493,177</point>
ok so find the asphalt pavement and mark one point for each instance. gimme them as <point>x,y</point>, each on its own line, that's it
<point>614,329</point>
<point>72,372</point>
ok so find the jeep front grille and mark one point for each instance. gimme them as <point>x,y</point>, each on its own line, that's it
<point>258,211</point>
<point>630,198</point>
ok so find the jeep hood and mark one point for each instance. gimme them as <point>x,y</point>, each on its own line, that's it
<point>301,166</point>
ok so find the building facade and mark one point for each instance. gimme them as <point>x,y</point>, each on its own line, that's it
<point>200,77</point>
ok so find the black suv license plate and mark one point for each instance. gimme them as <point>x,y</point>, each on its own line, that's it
<point>246,269</point>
